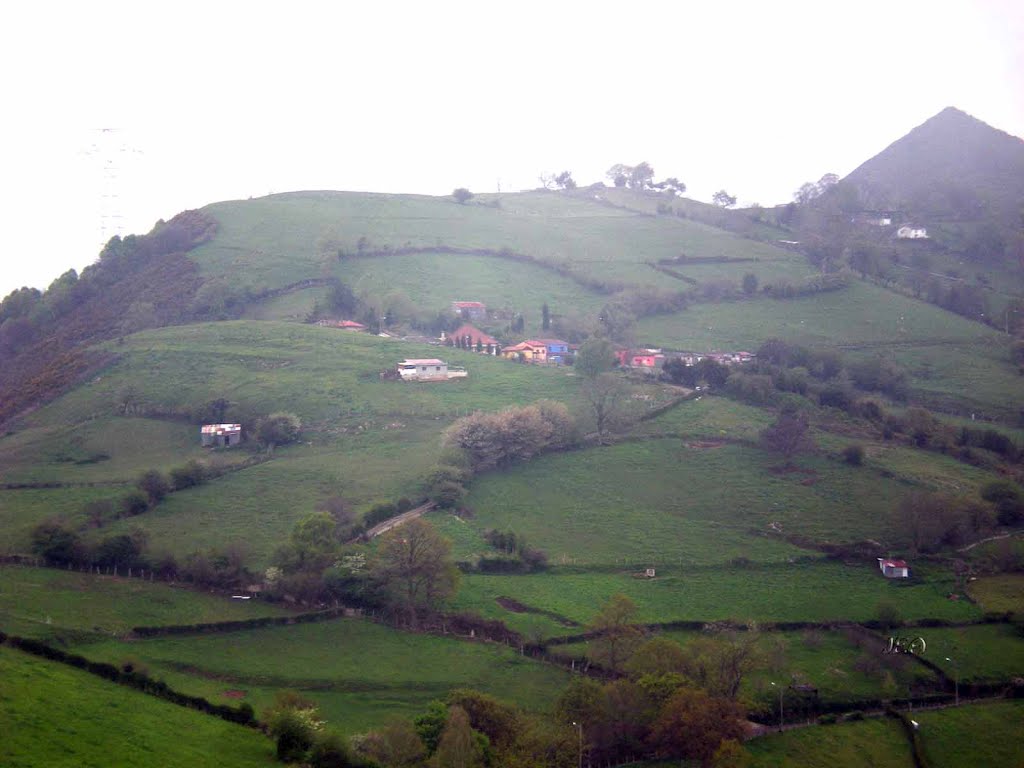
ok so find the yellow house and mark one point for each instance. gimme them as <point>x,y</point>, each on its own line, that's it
<point>529,351</point>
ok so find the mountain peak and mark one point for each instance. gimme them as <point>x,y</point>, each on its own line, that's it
<point>952,166</point>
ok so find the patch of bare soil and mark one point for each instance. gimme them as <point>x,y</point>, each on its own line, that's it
<point>705,445</point>
<point>232,693</point>
<point>514,606</point>
<point>511,605</point>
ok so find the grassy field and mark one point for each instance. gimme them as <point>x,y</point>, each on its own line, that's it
<point>710,418</point>
<point>22,509</point>
<point>321,374</point>
<point>48,603</point>
<point>953,362</point>
<point>108,449</point>
<point>978,653</point>
<point>358,672</point>
<point>260,505</point>
<point>815,591</point>
<point>53,715</point>
<point>365,439</point>
<point>434,280</point>
<point>667,501</point>
<point>987,734</point>
<point>282,239</point>
<point>1004,592</point>
<point>874,743</point>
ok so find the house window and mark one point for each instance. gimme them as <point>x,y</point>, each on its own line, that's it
<point>437,367</point>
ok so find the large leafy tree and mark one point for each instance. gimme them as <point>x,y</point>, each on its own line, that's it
<point>693,725</point>
<point>278,429</point>
<point>414,569</point>
<point>617,636</point>
<point>595,356</point>
<point>788,435</point>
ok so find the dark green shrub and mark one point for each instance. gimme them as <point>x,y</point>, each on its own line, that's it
<point>854,454</point>
<point>135,503</point>
<point>191,474</point>
<point>154,485</point>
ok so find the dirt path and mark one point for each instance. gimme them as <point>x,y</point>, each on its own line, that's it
<point>969,547</point>
<point>397,520</point>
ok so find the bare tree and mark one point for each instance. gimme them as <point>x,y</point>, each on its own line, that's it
<point>415,570</point>
<point>606,395</point>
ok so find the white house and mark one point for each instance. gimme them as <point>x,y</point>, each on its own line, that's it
<point>423,369</point>
<point>894,569</point>
<point>221,435</point>
<point>912,232</point>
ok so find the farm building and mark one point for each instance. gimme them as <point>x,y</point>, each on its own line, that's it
<point>558,350</point>
<point>640,358</point>
<point>912,232</point>
<point>428,369</point>
<point>725,358</point>
<point>471,310</point>
<point>221,435</point>
<point>530,351</point>
<point>894,569</point>
<point>470,337</point>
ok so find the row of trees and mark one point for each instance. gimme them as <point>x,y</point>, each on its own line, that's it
<point>641,177</point>
<point>926,521</point>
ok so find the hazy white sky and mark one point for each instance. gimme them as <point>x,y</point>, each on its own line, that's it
<point>222,100</point>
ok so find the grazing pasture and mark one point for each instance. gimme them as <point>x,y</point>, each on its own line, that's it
<point>986,733</point>
<point>874,743</point>
<point>358,672</point>
<point>47,603</point>
<point>803,591</point>
<point>53,715</point>
<point>679,502</point>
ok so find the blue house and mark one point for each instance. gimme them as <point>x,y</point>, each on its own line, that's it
<point>558,350</point>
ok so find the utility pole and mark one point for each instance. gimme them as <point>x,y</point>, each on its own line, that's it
<point>780,705</point>
<point>579,727</point>
<point>956,682</point>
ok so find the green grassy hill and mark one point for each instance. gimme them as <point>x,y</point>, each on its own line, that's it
<point>53,715</point>
<point>360,674</point>
<point>283,239</point>
<point>691,491</point>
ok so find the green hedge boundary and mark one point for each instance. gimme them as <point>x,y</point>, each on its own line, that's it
<point>241,715</point>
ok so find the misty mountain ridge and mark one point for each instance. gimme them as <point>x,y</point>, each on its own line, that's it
<point>952,167</point>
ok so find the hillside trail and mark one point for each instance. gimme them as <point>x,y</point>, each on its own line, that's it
<point>397,520</point>
<point>969,547</point>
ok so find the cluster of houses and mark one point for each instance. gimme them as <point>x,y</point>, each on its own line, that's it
<point>542,351</point>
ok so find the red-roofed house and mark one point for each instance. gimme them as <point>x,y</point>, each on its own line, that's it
<point>469,336</point>
<point>530,351</point>
<point>640,358</point>
<point>221,435</point>
<point>472,310</point>
<point>894,569</point>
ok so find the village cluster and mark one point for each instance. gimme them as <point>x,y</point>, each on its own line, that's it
<point>542,351</point>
